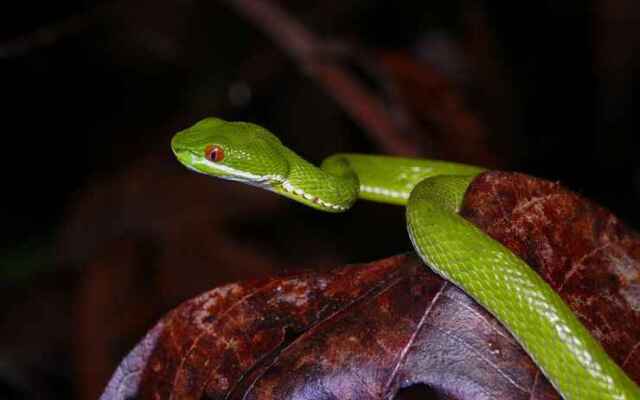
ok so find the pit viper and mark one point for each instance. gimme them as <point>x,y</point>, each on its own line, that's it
<point>432,192</point>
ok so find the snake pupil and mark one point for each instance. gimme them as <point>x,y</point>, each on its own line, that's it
<point>214,153</point>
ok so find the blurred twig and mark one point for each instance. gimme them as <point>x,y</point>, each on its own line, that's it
<point>50,34</point>
<point>307,50</point>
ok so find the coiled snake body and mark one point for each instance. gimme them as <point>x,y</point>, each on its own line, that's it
<point>432,191</point>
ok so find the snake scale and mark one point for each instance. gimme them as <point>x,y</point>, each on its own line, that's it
<point>432,191</point>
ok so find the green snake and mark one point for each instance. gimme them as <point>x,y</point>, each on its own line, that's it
<point>432,191</point>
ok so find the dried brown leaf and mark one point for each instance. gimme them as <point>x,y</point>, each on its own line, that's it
<point>360,332</point>
<point>366,331</point>
<point>582,250</point>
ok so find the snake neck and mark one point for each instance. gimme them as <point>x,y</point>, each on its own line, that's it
<point>332,188</point>
<point>391,180</point>
<point>343,178</point>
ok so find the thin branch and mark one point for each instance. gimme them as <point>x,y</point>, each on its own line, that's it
<point>307,50</point>
<point>50,34</point>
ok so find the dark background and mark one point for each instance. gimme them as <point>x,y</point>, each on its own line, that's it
<point>93,91</point>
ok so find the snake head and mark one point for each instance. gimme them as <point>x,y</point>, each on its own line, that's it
<point>235,151</point>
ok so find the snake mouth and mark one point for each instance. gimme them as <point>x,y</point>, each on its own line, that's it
<point>184,156</point>
<point>201,165</point>
<point>189,158</point>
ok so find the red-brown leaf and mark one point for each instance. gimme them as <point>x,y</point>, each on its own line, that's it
<point>582,250</point>
<point>366,331</point>
<point>360,332</point>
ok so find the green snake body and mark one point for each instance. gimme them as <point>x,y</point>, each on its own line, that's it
<point>432,192</point>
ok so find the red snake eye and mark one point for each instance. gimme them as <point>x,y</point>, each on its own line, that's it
<point>213,153</point>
